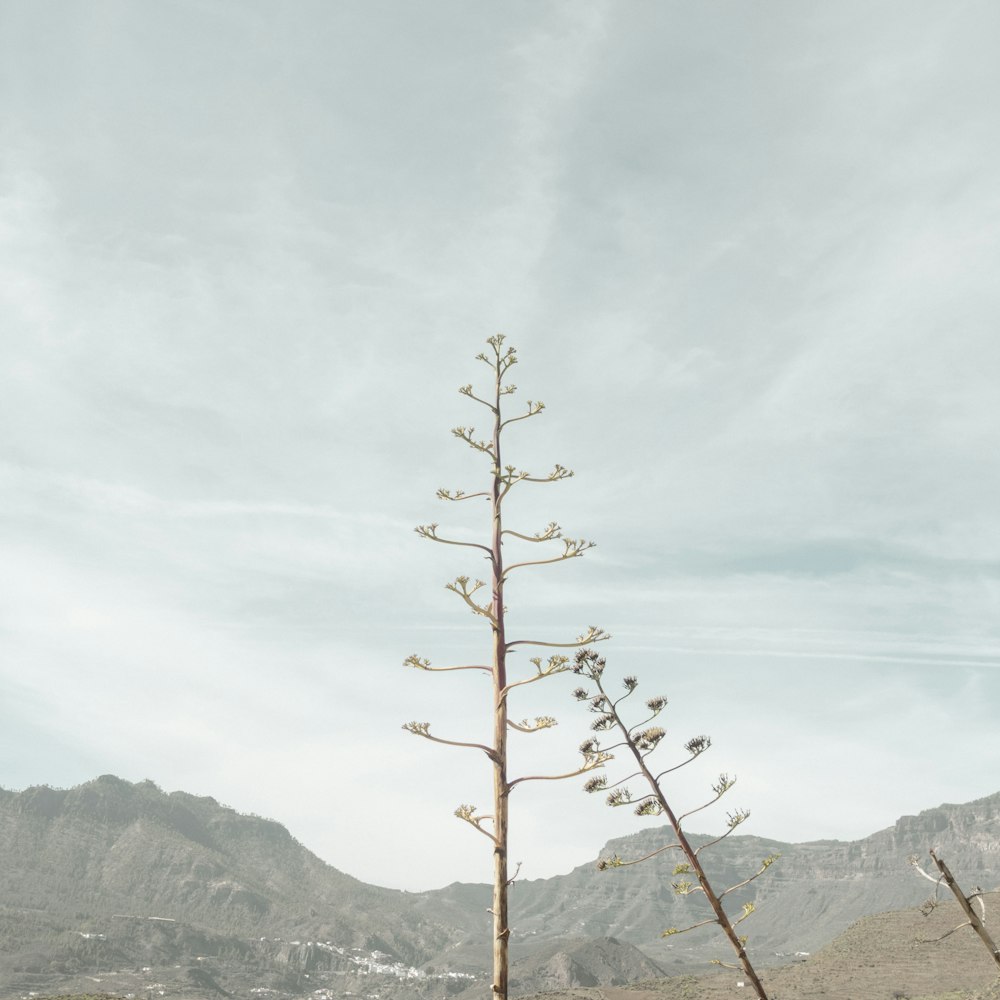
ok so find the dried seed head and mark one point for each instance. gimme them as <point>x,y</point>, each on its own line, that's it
<point>648,738</point>
<point>648,807</point>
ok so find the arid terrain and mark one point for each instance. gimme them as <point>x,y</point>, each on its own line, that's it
<point>123,889</point>
<point>882,957</point>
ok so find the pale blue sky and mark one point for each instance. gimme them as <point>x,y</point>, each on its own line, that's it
<point>748,254</point>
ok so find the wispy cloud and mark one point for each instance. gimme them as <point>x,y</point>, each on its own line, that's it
<point>748,258</point>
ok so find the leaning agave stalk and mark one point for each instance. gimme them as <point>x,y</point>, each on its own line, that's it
<point>641,740</point>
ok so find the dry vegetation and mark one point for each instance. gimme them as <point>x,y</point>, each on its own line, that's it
<point>884,957</point>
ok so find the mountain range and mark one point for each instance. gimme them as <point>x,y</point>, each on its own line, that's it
<point>113,879</point>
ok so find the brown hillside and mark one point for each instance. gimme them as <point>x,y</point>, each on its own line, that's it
<point>883,957</point>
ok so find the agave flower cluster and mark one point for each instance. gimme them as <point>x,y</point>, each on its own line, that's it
<point>641,740</point>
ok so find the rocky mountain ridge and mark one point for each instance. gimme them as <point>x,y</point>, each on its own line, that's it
<point>813,893</point>
<point>114,876</point>
<point>84,855</point>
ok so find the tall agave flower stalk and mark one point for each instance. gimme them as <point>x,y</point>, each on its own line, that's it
<point>486,599</point>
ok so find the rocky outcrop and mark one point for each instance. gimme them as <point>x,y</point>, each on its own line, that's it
<point>588,962</point>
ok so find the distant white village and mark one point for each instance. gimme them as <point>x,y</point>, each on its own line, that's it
<point>370,963</point>
<point>363,963</point>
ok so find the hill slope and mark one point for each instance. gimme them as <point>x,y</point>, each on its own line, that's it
<point>115,876</point>
<point>881,957</point>
<point>79,856</point>
<point>814,892</point>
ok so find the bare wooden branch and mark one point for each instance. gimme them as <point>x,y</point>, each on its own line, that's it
<point>429,531</point>
<point>534,408</point>
<point>765,864</point>
<point>467,813</point>
<point>465,434</point>
<point>461,587</point>
<point>557,664</point>
<point>423,729</point>
<point>551,531</point>
<point>466,390</point>
<point>720,789</point>
<point>419,663</point>
<point>574,549</point>
<point>459,495</point>
<point>947,934</point>
<point>974,920</point>
<point>671,931</point>
<point>527,726</point>
<point>617,862</point>
<point>593,634</point>
<point>558,473</point>
<point>597,760</point>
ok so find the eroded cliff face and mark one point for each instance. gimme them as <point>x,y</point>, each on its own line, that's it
<point>814,892</point>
